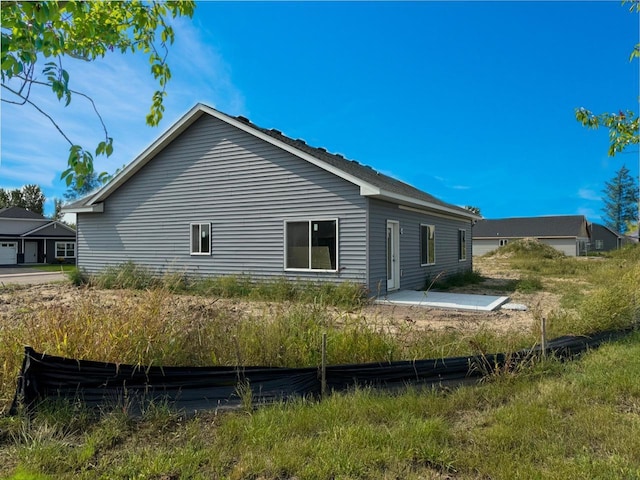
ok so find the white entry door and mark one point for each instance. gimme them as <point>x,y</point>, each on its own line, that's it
<point>393,255</point>
<point>30,252</point>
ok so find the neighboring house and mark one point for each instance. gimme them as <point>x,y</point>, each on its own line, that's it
<point>603,239</point>
<point>566,233</point>
<point>28,237</point>
<point>218,195</point>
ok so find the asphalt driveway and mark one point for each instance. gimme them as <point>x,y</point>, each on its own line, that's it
<point>26,275</point>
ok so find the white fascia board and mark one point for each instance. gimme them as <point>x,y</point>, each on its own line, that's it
<point>48,224</point>
<point>95,208</point>
<point>410,201</point>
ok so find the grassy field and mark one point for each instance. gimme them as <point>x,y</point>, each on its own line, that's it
<point>549,419</point>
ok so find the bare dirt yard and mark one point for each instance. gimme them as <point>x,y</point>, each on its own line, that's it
<point>17,301</point>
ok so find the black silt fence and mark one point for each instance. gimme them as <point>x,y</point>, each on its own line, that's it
<point>99,385</point>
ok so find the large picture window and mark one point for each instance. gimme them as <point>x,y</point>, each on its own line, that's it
<point>65,249</point>
<point>427,244</point>
<point>200,239</point>
<point>311,245</point>
<point>462,245</point>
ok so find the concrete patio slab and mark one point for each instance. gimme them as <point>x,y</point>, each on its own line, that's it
<point>453,301</point>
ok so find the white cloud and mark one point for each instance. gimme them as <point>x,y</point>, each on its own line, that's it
<point>588,194</point>
<point>589,213</point>
<point>33,151</point>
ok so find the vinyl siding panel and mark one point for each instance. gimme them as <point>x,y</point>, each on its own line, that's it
<point>568,246</point>
<point>483,246</point>
<point>412,274</point>
<point>244,187</point>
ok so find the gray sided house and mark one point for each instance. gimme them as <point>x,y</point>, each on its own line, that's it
<point>28,237</point>
<point>569,234</point>
<point>603,239</point>
<point>217,195</point>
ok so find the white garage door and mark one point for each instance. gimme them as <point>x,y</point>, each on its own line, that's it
<point>8,253</point>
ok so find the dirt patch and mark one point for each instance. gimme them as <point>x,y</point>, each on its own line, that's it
<point>18,301</point>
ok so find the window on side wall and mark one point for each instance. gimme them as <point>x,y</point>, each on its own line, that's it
<point>427,245</point>
<point>462,245</point>
<point>599,244</point>
<point>503,241</point>
<point>200,239</point>
<point>65,249</point>
<point>311,245</point>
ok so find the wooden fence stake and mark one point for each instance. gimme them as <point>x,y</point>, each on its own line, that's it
<point>543,340</point>
<point>323,367</point>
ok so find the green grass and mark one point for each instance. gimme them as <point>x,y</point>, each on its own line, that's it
<point>553,420</point>
<point>62,268</point>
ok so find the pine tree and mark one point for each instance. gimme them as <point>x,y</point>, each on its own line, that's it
<point>620,201</point>
<point>29,197</point>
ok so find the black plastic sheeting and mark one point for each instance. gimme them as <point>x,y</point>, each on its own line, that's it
<point>131,388</point>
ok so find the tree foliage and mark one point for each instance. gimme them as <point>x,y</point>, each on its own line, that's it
<point>29,197</point>
<point>57,210</point>
<point>473,209</point>
<point>623,126</point>
<point>83,185</point>
<point>38,36</point>
<point>620,201</point>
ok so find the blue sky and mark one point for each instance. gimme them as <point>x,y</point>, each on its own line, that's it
<point>472,102</point>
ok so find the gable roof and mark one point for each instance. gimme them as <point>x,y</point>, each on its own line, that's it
<point>20,213</point>
<point>596,227</point>
<point>18,222</point>
<point>372,183</point>
<point>549,227</point>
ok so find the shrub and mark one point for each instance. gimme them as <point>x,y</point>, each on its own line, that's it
<point>527,248</point>
<point>468,277</point>
<point>125,275</point>
<point>77,277</point>
<point>529,284</point>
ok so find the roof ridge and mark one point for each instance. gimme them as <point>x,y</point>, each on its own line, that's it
<point>358,169</point>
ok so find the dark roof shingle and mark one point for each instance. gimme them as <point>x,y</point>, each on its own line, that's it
<point>20,213</point>
<point>552,226</point>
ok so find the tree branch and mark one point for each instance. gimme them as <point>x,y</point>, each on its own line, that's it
<point>26,100</point>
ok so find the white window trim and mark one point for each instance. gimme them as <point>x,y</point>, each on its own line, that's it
<point>462,253</point>
<point>434,245</point>
<point>199,254</point>
<point>75,247</point>
<point>309,221</point>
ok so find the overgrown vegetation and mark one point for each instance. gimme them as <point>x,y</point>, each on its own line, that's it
<point>132,276</point>
<point>553,421</point>
<point>461,279</point>
<point>548,420</point>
